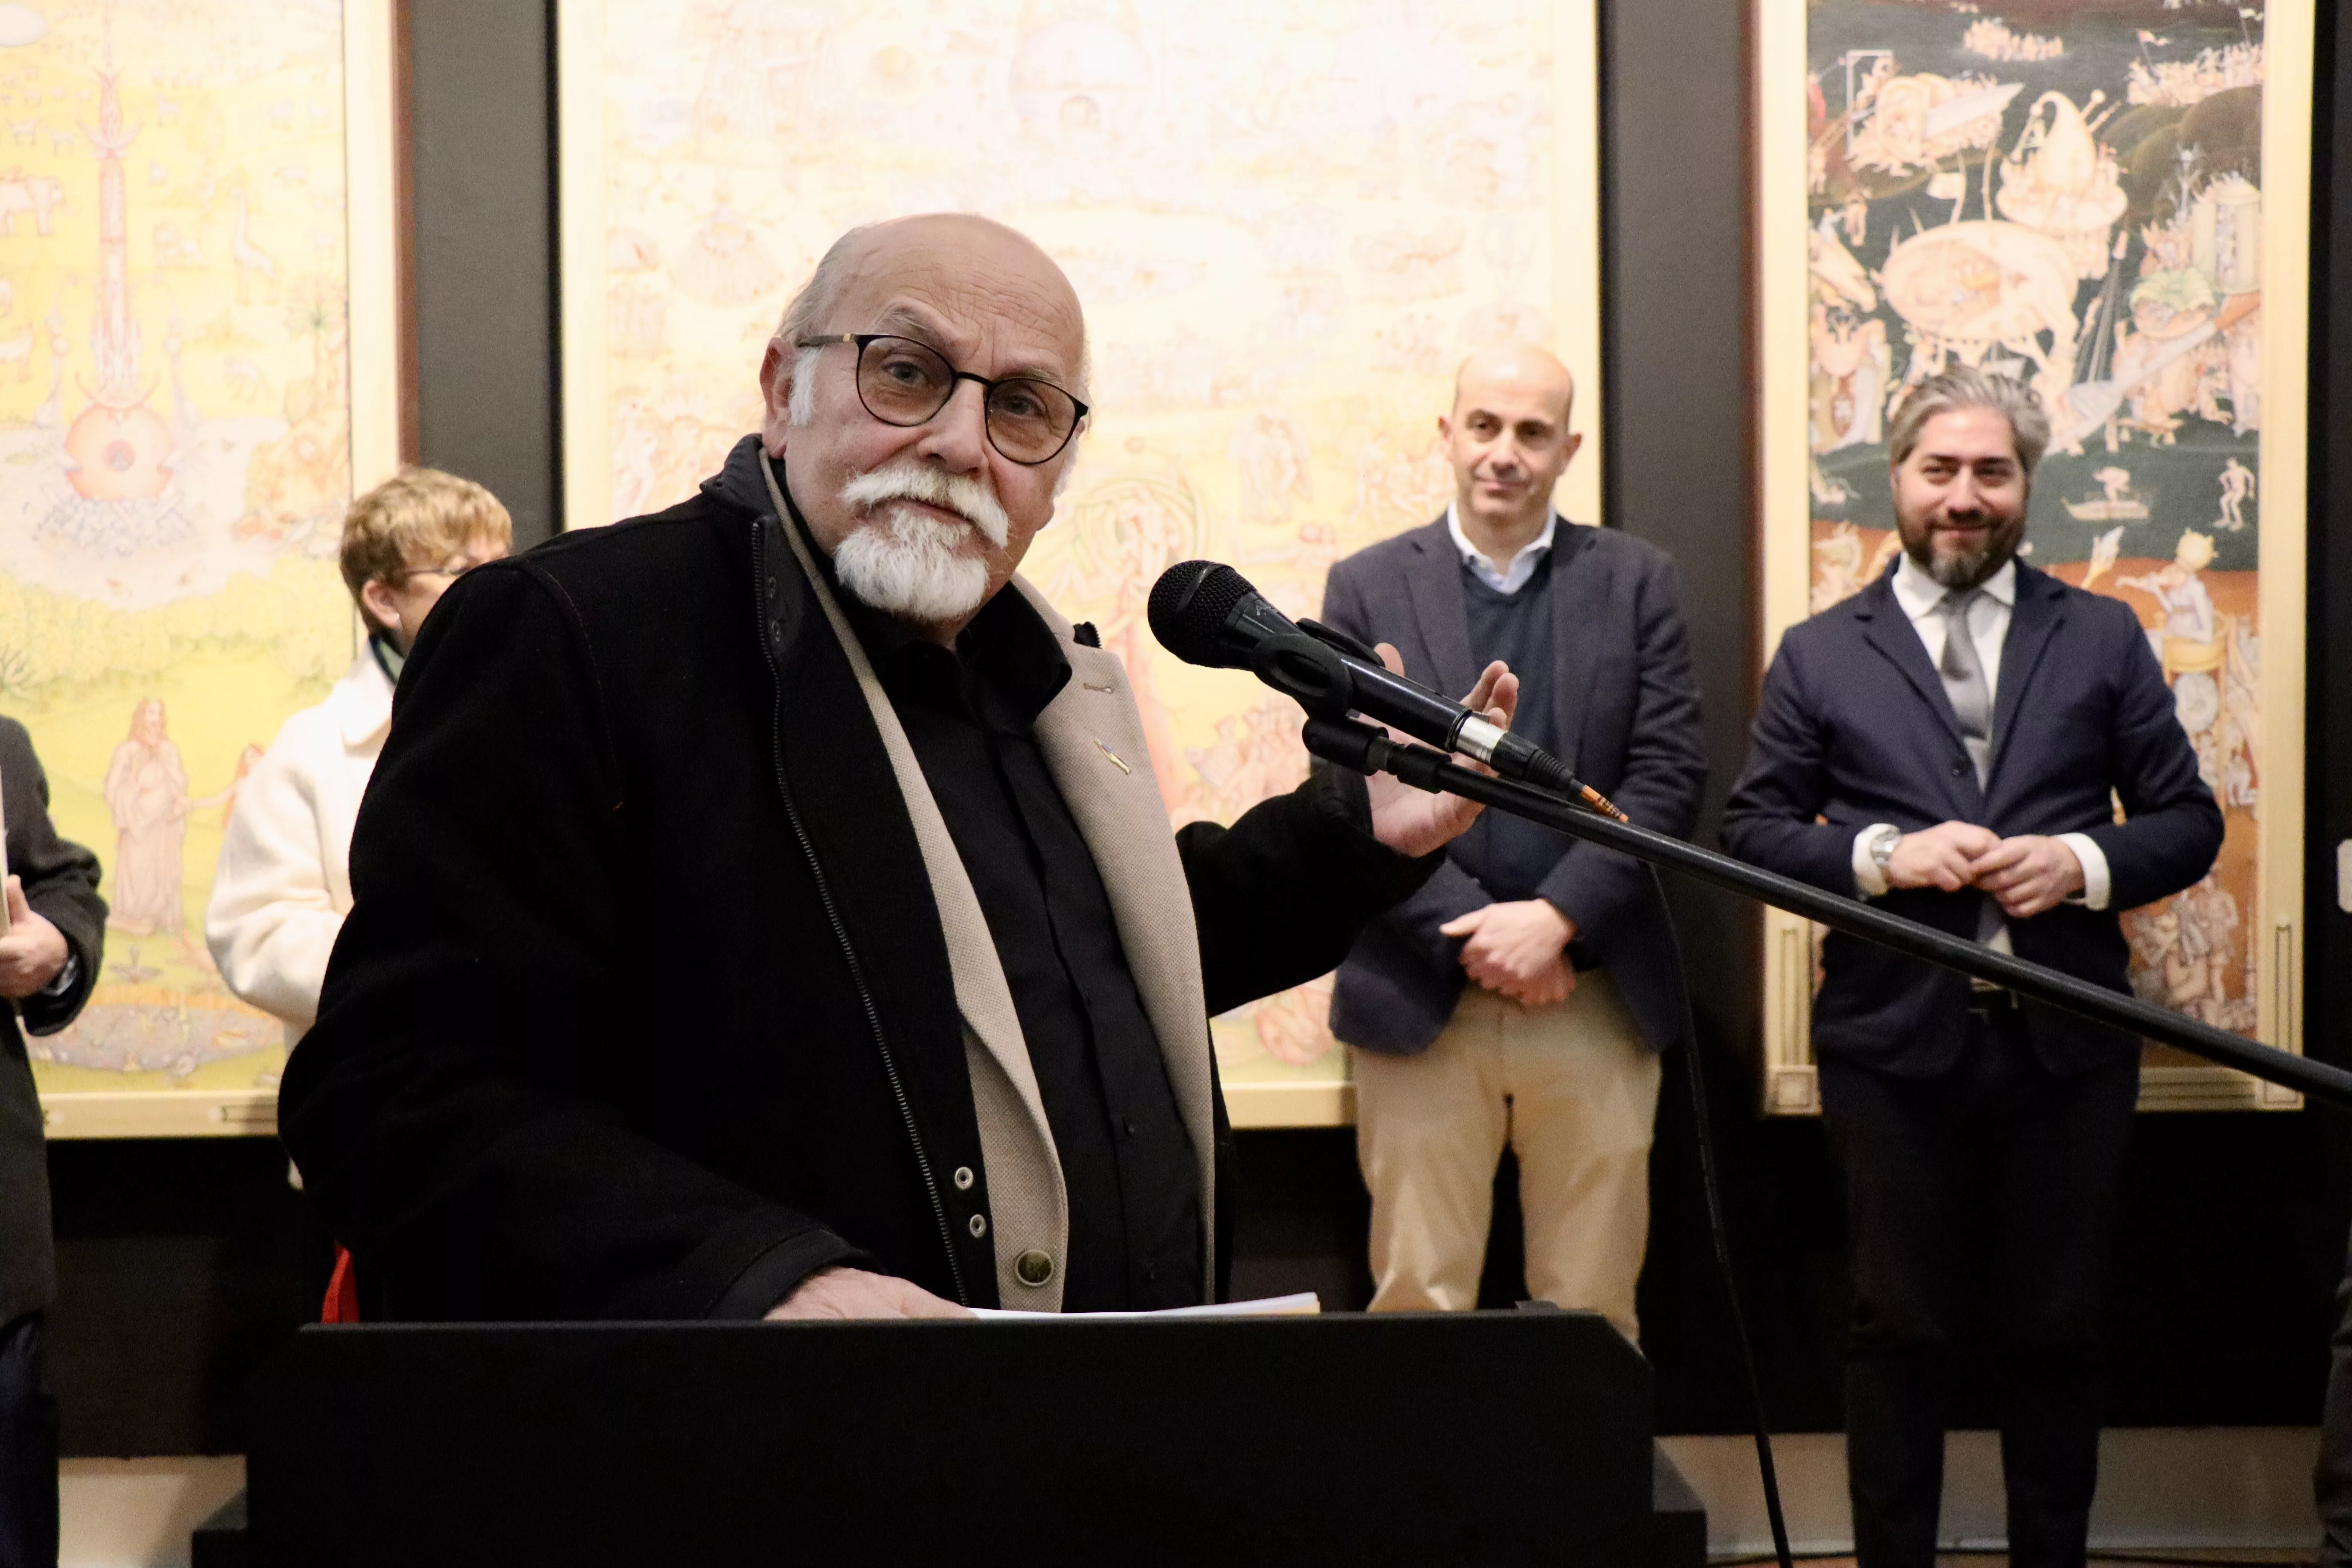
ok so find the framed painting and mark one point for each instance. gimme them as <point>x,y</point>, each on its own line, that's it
<point>2110,200</point>
<point>198,364</point>
<point>1287,227</point>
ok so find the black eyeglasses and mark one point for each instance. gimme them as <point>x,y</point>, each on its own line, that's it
<point>903,383</point>
<point>452,573</point>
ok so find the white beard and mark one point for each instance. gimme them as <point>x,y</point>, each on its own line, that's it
<point>909,563</point>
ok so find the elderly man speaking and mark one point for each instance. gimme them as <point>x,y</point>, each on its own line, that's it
<point>766,908</point>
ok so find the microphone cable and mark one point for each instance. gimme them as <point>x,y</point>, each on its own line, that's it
<point>1704,1135</point>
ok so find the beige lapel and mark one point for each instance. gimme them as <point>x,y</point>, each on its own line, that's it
<point>1026,1203</point>
<point>1092,739</point>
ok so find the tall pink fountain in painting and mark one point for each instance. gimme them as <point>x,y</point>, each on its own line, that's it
<point>116,447</point>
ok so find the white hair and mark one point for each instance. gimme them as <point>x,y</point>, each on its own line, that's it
<point>909,563</point>
<point>802,406</point>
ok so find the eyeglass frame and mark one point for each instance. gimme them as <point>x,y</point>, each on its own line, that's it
<point>401,577</point>
<point>860,340</point>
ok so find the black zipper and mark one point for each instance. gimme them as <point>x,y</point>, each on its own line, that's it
<point>762,615</point>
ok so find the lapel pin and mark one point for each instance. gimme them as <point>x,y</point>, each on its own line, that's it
<point>1107,752</point>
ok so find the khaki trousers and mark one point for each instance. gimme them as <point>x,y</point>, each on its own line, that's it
<point>1572,1090</point>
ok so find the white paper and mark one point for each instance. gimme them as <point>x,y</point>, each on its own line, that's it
<point>1307,1303</point>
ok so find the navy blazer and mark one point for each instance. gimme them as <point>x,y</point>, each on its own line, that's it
<point>1853,727</point>
<point>1625,694</point>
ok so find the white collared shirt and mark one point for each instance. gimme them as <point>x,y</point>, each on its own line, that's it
<point>1514,577</point>
<point>1919,594</point>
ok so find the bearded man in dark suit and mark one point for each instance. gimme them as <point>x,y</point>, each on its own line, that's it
<point>1950,742</point>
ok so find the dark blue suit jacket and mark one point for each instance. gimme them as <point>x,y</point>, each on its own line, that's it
<point>1623,692</point>
<point>1853,727</point>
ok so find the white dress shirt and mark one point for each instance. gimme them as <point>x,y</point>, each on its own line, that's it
<point>1919,594</point>
<point>1514,577</point>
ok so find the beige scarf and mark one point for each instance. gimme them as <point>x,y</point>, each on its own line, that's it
<point>1092,740</point>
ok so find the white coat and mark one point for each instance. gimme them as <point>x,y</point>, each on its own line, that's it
<point>284,884</point>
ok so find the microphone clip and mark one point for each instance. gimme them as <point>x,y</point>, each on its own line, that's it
<point>1309,672</point>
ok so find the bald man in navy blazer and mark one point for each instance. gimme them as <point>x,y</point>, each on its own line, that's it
<point>1521,996</point>
<point>1970,781</point>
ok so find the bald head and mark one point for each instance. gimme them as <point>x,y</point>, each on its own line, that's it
<point>1521,367</point>
<point>1508,440</point>
<point>962,250</point>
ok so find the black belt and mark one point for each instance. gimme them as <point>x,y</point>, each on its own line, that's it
<point>1992,1002</point>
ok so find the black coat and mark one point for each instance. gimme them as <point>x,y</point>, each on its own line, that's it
<point>644,1007</point>
<point>61,884</point>
<point>1853,727</point>
<point>1625,705</point>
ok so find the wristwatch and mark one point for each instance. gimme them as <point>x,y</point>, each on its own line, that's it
<point>1882,846</point>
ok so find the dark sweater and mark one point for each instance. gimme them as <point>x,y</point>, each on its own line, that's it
<point>1510,855</point>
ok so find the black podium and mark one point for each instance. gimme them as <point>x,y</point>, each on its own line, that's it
<point>1473,1438</point>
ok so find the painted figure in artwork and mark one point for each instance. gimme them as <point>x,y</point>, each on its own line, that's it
<point>2190,639</point>
<point>2237,490</point>
<point>2184,953</point>
<point>2162,357</point>
<point>147,790</point>
<point>1840,571</point>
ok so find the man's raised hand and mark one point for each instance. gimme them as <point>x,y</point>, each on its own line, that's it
<point>1414,822</point>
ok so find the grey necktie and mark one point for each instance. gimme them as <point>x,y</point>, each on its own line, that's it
<point>1964,679</point>
<point>1971,699</point>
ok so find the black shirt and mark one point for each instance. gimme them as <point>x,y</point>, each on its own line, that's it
<point>1126,1161</point>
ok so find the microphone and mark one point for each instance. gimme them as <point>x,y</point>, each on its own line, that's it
<point>1206,613</point>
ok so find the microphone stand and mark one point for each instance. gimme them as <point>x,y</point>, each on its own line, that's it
<point>1365,750</point>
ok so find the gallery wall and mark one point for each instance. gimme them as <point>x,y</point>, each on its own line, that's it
<point>183,1262</point>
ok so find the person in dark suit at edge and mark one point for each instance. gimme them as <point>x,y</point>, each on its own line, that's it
<point>807,741</point>
<point>1521,996</point>
<point>1950,742</point>
<point>48,961</point>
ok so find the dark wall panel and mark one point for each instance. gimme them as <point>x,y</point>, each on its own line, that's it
<point>2328,798</point>
<point>481,171</point>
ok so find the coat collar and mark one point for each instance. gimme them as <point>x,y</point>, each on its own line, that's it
<point>1432,576</point>
<point>2039,610</point>
<point>842,789</point>
<point>1433,582</point>
<point>1091,737</point>
<point>1887,628</point>
<point>1579,603</point>
<point>362,704</point>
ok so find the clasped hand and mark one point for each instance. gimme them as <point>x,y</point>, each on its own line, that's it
<point>2027,874</point>
<point>32,953</point>
<point>1518,949</point>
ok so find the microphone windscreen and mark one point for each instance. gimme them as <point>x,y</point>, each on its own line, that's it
<point>1189,605</point>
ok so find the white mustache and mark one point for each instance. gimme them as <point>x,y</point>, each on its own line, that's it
<point>908,480</point>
